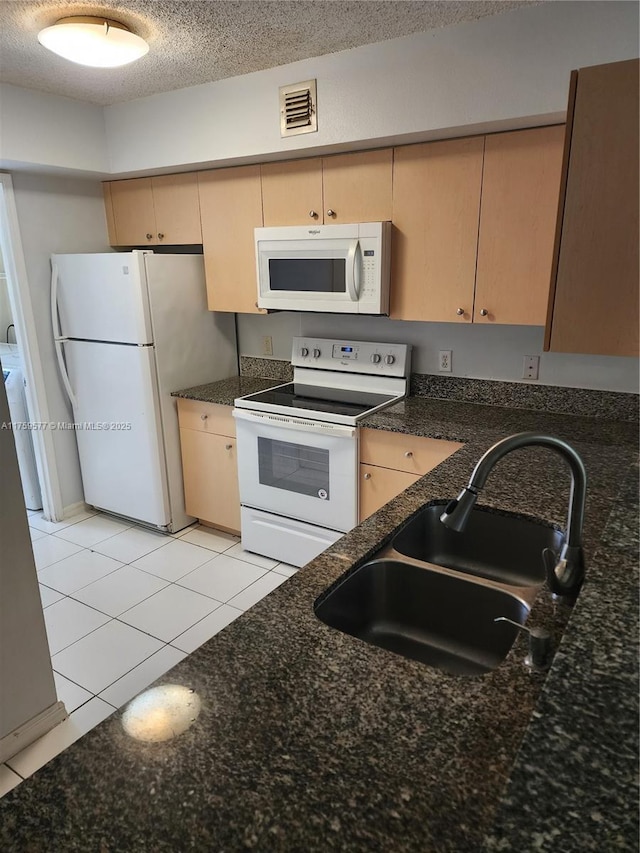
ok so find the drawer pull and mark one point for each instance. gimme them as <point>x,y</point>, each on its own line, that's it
<point>367,476</point>
<point>409,454</point>
<point>228,446</point>
<point>203,417</point>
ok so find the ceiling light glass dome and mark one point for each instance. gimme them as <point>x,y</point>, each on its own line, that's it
<point>98,42</point>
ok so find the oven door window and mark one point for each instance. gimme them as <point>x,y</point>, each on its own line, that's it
<point>308,275</point>
<point>293,467</point>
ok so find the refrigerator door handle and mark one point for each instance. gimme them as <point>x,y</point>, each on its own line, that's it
<point>54,301</point>
<point>63,370</point>
<point>58,340</point>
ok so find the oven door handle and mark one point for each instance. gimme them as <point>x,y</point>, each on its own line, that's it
<point>297,424</point>
<point>353,271</point>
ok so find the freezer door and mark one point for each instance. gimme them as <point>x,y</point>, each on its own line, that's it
<point>103,297</point>
<point>119,429</point>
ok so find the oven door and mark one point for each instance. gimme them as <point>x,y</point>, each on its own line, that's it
<point>298,468</point>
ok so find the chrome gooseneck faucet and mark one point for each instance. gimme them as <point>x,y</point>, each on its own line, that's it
<point>566,571</point>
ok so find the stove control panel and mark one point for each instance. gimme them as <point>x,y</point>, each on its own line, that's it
<point>352,356</point>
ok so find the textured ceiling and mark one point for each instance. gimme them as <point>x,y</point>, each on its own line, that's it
<point>197,42</point>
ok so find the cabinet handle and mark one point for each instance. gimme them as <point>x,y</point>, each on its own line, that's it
<point>313,214</point>
<point>331,212</point>
<point>228,446</point>
<point>203,417</point>
<point>409,454</point>
<point>149,236</point>
<point>483,312</point>
<point>160,236</point>
<point>459,311</point>
<point>367,476</point>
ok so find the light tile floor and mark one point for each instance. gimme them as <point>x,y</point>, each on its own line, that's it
<point>122,605</point>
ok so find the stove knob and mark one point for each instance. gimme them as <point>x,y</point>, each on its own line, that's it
<point>304,352</point>
<point>316,353</point>
<point>376,358</point>
<point>389,359</point>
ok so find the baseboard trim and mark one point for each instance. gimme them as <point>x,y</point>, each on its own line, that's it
<point>26,734</point>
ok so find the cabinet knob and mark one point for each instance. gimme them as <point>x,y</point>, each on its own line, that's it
<point>367,476</point>
<point>228,446</point>
<point>160,236</point>
<point>313,214</point>
<point>331,212</point>
<point>149,236</point>
<point>483,312</point>
<point>409,454</point>
<point>203,417</point>
<point>459,311</point>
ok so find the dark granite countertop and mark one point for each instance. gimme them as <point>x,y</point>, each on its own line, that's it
<point>225,391</point>
<point>309,739</point>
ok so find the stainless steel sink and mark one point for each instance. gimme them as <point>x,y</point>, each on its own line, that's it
<point>433,617</point>
<point>498,546</point>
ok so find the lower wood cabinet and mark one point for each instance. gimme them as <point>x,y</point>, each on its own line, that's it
<point>390,462</point>
<point>209,463</point>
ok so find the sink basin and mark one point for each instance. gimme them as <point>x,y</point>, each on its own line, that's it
<point>503,548</point>
<point>441,620</point>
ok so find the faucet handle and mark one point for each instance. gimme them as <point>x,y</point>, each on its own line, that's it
<point>539,656</point>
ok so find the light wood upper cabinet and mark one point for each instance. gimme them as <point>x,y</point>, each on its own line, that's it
<point>230,208</point>
<point>134,218</point>
<point>593,306</point>
<point>436,208</point>
<point>292,192</point>
<point>175,200</point>
<point>330,190</point>
<point>153,211</point>
<point>520,188</point>
<point>358,187</point>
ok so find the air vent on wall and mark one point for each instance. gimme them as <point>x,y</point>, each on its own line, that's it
<point>298,113</point>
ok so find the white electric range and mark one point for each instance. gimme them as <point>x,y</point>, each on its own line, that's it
<point>298,444</point>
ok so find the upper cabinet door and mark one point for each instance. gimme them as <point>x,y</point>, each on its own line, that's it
<point>520,188</point>
<point>177,208</point>
<point>133,213</point>
<point>231,207</point>
<point>292,192</point>
<point>357,187</point>
<point>594,305</point>
<point>436,208</point>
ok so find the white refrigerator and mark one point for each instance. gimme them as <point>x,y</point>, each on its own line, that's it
<point>130,328</point>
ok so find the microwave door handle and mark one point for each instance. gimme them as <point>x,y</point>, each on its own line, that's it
<point>353,271</point>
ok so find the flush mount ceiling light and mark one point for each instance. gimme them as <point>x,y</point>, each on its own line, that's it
<point>98,42</point>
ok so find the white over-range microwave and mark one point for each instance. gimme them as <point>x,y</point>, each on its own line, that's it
<point>343,269</point>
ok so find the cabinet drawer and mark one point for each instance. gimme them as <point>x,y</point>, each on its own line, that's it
<point>206,417</point>
<point>410,453</point>
<point>379,485</point>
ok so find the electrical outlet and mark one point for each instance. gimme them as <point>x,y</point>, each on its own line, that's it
<point>444,361</point>
<point>530,366</point>
<point>267,345</point>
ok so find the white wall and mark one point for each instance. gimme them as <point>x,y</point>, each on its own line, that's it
<point>57,215</point>
<point>510,70</point>
<point>480,352</point>
<point>40,131</point>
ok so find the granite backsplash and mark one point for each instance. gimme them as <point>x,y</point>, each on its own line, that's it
<point>583,402</point>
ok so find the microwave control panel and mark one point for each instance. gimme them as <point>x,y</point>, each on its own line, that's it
<point>352,356</point>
